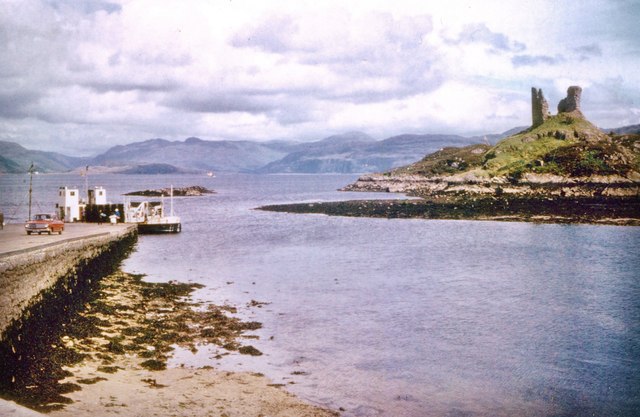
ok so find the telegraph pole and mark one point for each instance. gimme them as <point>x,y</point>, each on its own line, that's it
<point>31,170</point>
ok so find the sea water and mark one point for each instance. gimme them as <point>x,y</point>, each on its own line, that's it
<point>398,317</point>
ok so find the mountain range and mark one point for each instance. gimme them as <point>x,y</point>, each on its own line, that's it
<point>352,152</point>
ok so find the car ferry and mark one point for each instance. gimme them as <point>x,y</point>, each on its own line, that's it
<point>150,217</point>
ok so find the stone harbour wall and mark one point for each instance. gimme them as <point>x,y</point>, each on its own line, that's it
<point>51,274</point>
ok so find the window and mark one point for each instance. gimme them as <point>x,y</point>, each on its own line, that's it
<point>72,193</point>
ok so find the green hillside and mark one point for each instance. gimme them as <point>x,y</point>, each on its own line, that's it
<point>567,145</point>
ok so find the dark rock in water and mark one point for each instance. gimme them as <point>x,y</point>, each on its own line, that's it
<point>595,210</point>
<point>192,191</point>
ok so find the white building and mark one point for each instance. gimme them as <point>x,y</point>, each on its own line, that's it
<point>69,205</point>
<point>97,196</point>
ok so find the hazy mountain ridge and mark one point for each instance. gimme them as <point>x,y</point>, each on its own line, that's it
<point>625,130</point>
<point>15,158</point>
<point>355,156</point>
<point>351,152</point>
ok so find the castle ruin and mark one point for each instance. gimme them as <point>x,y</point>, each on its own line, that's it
<point>540,107</point>
<point>571,103</point>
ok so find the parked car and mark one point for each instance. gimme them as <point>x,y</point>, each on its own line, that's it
<point>44,223</point>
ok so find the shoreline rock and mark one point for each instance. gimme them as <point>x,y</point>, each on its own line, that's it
<point>529,185</point>
<point>192,191</point>
<point>111,356</point>
<point>621,211</point>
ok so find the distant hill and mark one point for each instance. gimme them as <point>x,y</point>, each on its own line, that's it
<point>625,130</point>
<point>17,159</point>
<point>360,154</point>
<point>193,154</point>
<point>352,152</point>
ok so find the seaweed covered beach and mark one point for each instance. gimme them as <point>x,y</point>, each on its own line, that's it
<point>594,210</point>
<point>110,356</point>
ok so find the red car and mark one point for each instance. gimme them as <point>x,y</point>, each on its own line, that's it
<point>44,223</point>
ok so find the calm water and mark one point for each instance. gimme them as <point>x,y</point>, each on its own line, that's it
<point>400,317</point>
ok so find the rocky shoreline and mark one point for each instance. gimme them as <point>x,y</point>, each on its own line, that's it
<point>470,185</point>
<point>593,210</point>
<point>110,356</point>
<point>563,169</point>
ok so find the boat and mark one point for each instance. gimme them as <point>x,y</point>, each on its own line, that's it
<point>210,174</point>
<point>150,217</point>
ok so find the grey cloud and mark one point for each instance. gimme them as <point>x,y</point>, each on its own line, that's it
<point>533,60</point>
<point>86,6</point>
<point>586,52</point>
<point>593,49</point>
<point>480,33</point>
<point>218,103</point>
<point>103,86</point>
<point>159,58</point>
<point>287,107</point>
<point>14,105</point>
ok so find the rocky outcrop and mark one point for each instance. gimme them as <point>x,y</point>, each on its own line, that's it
<point>539,107</point>
<point>530,185</point>
<point>571,103</point>
<point>192,191</point>
<point>563,156</point>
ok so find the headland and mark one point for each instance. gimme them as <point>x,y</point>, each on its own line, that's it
<point>561,169</point>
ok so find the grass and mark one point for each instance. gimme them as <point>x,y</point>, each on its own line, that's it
<point>447,161</point>
<point>529,149</point>
<point>564,145</point>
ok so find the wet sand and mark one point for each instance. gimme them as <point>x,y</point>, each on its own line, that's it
<point>182,392</point>
<point>110,358</point>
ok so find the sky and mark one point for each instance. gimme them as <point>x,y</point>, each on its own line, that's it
<point>79,77</point>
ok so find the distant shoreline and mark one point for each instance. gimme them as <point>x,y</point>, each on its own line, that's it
<point>620,211</point>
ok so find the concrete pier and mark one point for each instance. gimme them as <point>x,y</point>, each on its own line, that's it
<point>39,273</point>
<point>30,265</point>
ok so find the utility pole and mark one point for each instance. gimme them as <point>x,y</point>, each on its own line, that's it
<point>31,170</point>
<point>86,182</point>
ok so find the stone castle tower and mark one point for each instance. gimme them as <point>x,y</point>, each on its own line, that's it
<point>539,107</point>
<point>571,103</point>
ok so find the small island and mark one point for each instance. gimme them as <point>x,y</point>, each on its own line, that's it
<point>192,191</point>
<point>562,169</point>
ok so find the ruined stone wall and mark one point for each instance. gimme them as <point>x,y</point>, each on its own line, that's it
<point>571,103</point>
<point>539,107</point>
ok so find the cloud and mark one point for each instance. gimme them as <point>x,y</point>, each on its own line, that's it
<point>16,103</point>
<point>535,60</point>
<point>86,6</point>
<point>375,56</point>
<point>589,50</point>
<point>204,102</point>
<point>274,34</point>
<point>98,73</point>
<point>586,52</point>
<point>479,33</point>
